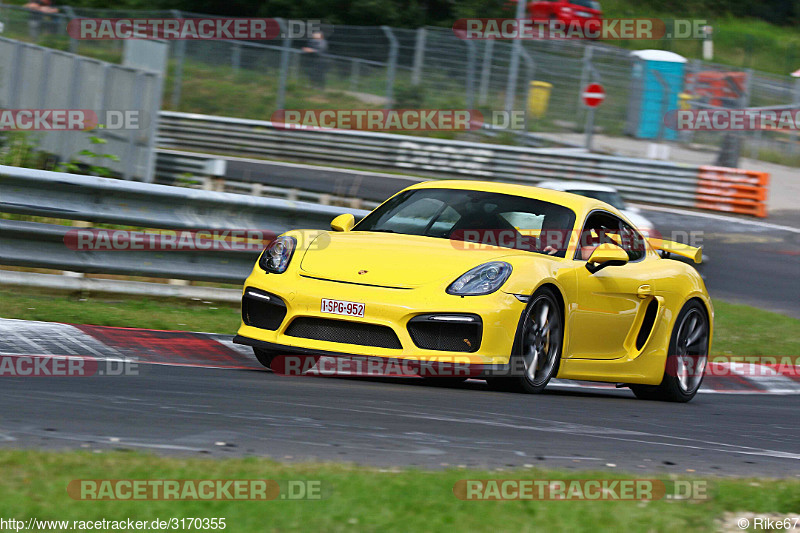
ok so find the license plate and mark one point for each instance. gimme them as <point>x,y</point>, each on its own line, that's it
<point>338,307</point>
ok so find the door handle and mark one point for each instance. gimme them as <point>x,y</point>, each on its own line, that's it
<point>644,291</point>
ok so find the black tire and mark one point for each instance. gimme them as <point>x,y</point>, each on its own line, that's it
<point>265,357</point>
<point>540,332</point>
<point>686,359</point>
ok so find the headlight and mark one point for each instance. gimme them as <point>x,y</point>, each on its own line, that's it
<point>483,279</point>
<point>276,257</point>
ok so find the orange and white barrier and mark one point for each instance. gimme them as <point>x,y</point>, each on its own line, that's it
<point>732,190</point>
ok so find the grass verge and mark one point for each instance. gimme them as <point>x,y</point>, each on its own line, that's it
<point>34,484</point>
<point>119,310</point>
<point>739,329</point>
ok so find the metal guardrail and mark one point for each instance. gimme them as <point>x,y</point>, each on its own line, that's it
<point>102,200</point>
<point>306,183</point>
<point>37,77</point>
<point>117,286</point>
<point>642,180</point>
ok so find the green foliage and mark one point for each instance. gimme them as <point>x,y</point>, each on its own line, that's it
<point>407,96</point>
<point>18,149</point>
<point>74,166</point>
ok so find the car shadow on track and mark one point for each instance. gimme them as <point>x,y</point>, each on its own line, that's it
<point>476,385</point>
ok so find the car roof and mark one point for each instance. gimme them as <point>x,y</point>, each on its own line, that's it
<point>575,185</point>
<point>579,204</point>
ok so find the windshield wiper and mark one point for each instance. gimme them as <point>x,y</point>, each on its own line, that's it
<point>383,230</point>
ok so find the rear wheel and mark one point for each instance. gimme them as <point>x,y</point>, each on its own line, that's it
<point>265,357</point>
<point>537,353</point>
<point>686,359</point>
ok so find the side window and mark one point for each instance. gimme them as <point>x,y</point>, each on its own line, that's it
<point>632,242</point>
<point>604,227</point>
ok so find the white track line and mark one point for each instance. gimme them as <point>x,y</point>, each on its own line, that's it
<point>724,218</point>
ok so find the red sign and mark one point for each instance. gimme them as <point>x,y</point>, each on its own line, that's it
<point>593,95</point>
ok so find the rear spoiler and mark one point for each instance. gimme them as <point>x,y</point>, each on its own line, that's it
<point>683,250</point>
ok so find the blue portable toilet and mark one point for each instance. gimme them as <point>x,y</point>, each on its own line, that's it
<point>655,85</point>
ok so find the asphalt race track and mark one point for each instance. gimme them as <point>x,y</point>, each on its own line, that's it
<point>252,412</point>
<point>750,262</point>
<point>237,409</point>
<point>195,393</point>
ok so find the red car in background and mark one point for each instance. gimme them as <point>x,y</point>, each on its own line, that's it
<point>570,12</point>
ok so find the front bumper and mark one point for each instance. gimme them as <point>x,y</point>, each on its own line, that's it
<point>390,307</point>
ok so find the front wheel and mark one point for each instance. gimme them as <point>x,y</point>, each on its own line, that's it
<point>686,360</point>
<point>537,353</point>
<point>265,357</point>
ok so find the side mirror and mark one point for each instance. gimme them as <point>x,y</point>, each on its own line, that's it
<point>607,254</point>
<point>343,222</point>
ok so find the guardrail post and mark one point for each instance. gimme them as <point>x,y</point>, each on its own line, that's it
<point>236,57</point>
<point>73,95</point>
<point>286,45</point>
<point>486,71</point>
<point>103,89</point>
<point>130,156</point>
<point>46,55</point>
<point>592,74</point>
<point>355,68</point>
<point>180,57</point>
<point>419,57</point>
<point>530,70</point>
<point>70,13</point>
<point>14,76</point>
<point>470,90</point>
<point>585,77</point>
<point>393,47</point>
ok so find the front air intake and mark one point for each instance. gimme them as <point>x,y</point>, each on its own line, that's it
<point>344,331</point>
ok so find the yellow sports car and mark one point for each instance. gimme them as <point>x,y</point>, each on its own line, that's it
<point>528,284</point>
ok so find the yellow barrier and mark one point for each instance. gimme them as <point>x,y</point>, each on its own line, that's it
<point>538,98</point>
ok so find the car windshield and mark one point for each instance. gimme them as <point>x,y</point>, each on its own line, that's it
<point>609,197</point>
<point>475,216</point>
<point>591,4</point>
